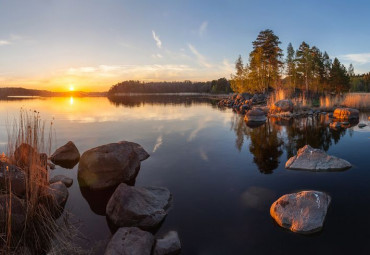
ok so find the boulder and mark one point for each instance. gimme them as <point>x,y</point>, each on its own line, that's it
<point>285,105</point>
<point>18,213</point>
<point>259,98</point>
<point>346,113</point>
<point>15,175</point>
<point>66,156</point>
<point>61,178</point>
<point>303,212</point>
<point>143,207</point>
<point>362,125</point>
<point>168,245</point>
<point>111,164</point>
<point>316,160</point>
<point>255,115</point>
<point>55,197</point>
<point>130,241</point>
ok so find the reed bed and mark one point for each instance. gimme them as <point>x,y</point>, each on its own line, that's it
<point>42,233</point>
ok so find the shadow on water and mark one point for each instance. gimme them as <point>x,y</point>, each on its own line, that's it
<point>270,139</point>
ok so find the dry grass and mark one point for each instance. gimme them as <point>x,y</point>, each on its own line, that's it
<point>27,149</point>
<point>357,100</point>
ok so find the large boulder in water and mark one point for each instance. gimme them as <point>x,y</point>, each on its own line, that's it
<point>111,164</point>
<point>303,212</point>
<point>143,207</point>
<point>130,241</point>
<point>346,113</point>
<point>66,156</point>
<point>168,245</point>
<point>317,160</point>
<point>61,178</point>
<point>285,105</point>
<point>255,115</point>
<point>15,175</point>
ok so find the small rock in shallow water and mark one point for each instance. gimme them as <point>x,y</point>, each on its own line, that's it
<point>64,179</point>
<point>361,125</point>
<point>316,160</point>
<point>303,212</point>
<point>130,241</point>
<point>168,245</point>
<point>66,156</point>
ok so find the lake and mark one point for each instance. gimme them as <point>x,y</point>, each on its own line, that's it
<point>223,175</point>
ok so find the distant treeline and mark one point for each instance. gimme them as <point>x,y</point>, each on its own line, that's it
<point>9,92</point>
<point>221,85</point>
<point>360,82</point>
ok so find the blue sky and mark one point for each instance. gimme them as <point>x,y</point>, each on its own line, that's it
<point>92,44</point>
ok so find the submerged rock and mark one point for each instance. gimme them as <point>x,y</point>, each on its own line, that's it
<point>143,207</point>
<point>130,241</point>
<point>15,175</point>
<point>111,164</point>
<point>18,213</point>
<point>66,156</point>
<point>303,212</point>
<point>61,178</point>
<point>285,105</point>
<point>168,245</point>
<point>255,115</point>
<point>346,113</point>
<point>312,159</point>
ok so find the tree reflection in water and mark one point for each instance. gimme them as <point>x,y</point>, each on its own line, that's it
<point>268,141</point>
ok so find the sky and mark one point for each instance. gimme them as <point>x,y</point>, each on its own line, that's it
<point>90,45</point>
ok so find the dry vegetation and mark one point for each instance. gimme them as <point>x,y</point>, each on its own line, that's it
<point>41,233</point>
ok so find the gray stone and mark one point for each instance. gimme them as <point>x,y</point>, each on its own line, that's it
<point>303,212</point>
<point>362,125</point>
<point>130,241</point>
<point>168,245</point>
<point>255,115</point>
<point>111,164</point>
<point>317,160</point>
<point>66,156</point>
<point>16,176</point>
<point>143,207</point>
<point>57,194</point>
<point>61,178</point>
<point>18,213</point>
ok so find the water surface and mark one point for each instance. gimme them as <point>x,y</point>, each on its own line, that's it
<point>223,174</point>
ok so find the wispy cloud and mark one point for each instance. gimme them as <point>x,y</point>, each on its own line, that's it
<point>157,55</point>
<point>201,59</point>
<point>4,42</point>
<point>362,58</point>
<point>203,28</point>
<point>157,40</point>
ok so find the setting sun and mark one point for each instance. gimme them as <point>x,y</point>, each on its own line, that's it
<point>71,88</point>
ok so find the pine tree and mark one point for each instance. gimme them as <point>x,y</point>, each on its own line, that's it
<point>304,60</point>
<point>339,78</point>
<point>291,67</point>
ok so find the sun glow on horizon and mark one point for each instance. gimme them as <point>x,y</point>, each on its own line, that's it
<point>71,88</point>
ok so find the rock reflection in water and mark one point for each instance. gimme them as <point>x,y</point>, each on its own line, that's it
<point>268,141</point>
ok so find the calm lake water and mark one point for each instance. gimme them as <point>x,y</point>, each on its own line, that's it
<point>223,174</point>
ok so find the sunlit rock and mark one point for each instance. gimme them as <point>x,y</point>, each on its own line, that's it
<point>111,164</point>
<point>168,245</point>
<point>303,212</point>
<point>61,178</point>
<point>66,156</point>
<point>143,207</point>
<point>285,105</point>
<point>130,241</point>
<point>346,113</point>
<point>317,160</point>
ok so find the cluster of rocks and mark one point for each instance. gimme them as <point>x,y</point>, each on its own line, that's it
<point>305,212</point>
<point>135,211</point>
<point>14,175</point>
<point>243,102</point>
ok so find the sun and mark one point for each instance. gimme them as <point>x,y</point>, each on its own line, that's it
<point>71,88</point>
